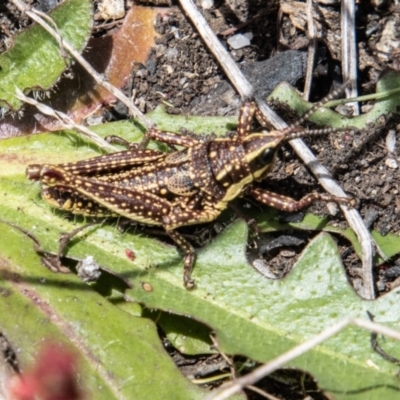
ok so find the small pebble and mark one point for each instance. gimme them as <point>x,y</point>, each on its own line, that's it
<point>388,43</point>
<point>393,272</point>
<point>238,41</point>
<point>391,141</point>
<point>172,53</point>
<point>261,266</point>
<point>88,269</point>
<point>207,4</point>
<point>391,163</point>
<point>333,208</point>
<point>111,9</point>
<point>287,253</point>
<point>47,5</point>
<point>94,120</point>
<point>370,217</point>
<point>380,286</point>
<point>175,32</point>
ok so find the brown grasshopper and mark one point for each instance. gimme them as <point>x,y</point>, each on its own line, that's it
<point>184,187</point>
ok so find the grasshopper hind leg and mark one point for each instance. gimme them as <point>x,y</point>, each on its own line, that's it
<point>73,202</point>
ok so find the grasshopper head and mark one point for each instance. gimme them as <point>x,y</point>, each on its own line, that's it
<point>261,149</point>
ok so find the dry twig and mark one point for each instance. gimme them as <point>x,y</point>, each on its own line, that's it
<point>312,47</point>
<point>65,121</point>
<point>349,51</point>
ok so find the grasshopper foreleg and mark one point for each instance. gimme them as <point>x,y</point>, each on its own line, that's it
<point>171,138</point>
<point>288,204</point>
<point>192,217</point>
<point>189,257</point>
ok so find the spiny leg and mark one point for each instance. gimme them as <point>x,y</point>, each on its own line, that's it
<point>53,262</point>
<point>66,238</point>
<point>171,138</point>
<point>188,263</point>
<point>99,165</point>
<point>288,204</point>
<point>262,119</point>
<point>246,116</point>
<point>173,221</point>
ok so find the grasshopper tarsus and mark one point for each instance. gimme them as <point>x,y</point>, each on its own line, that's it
<point>188,282</point>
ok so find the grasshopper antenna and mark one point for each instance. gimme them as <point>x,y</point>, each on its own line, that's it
<point>290,130</point>
<point>316,132</point>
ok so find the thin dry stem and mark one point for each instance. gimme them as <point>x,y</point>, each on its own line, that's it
<point>65,121</point>
<point>262,392</point>
<point>312,46</point>
<point>224,356</point>
<point>245,89</point>
<point>349,51</point>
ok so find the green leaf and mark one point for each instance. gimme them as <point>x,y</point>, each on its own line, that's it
<point>35,60</point>
<point>390,104</point>
<point>119,353</point>
<point>261,318</point>
<point>199,125</point>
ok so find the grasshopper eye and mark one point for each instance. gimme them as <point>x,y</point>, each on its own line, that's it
<point>267,156</point>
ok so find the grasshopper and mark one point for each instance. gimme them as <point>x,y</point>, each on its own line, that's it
<point>183,187</point>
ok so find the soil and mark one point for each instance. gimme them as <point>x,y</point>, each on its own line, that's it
<point>181,72</point>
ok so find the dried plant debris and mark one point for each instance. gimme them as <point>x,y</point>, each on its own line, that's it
<point>377,32</point>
